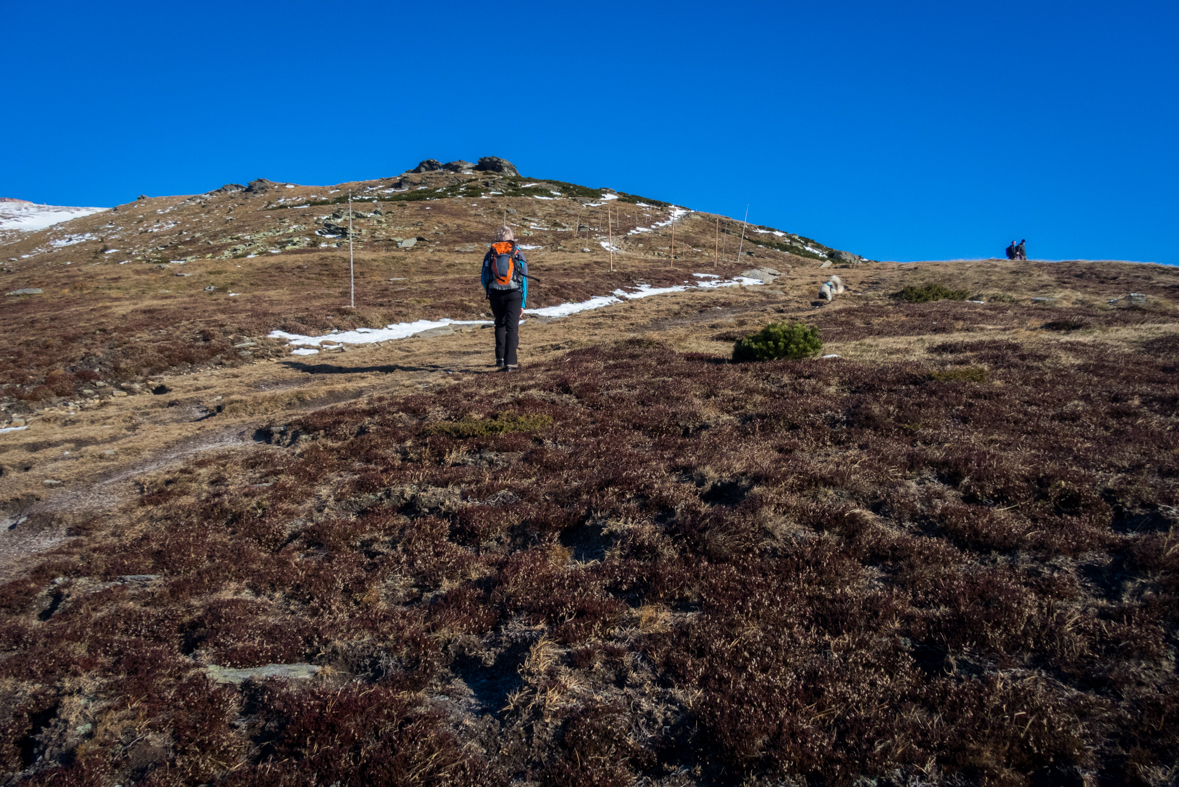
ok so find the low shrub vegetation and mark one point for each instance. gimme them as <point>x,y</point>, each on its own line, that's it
<point>650,566</point>
<point>931,292</point>
<point>779,340</point>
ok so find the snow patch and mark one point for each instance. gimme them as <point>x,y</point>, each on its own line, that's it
<point>30,217</point>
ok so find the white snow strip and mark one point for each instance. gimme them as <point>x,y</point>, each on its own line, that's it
<point>565,309</point>
<point>110,251</point>
<point>12,429</point>
<point>528,185</point>
<point>546,198</point>
<point>530,248</point>
<point>706,275</point>
<point>404,330</point>
<point>372,335</point>
<point>832,355</point>
<point>608,197</point>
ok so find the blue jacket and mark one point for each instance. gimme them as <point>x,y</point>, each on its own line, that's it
<point>485,275</point>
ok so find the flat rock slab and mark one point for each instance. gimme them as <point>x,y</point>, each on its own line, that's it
<point>766,275</point>
<point>286,671</point>
<point>442,330</point>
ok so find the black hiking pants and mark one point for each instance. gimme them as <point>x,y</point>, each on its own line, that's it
<point>505,305</point>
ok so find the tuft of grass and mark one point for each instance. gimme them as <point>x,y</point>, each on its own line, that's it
<point>934,291</point>
<point>779,340</point>
<point>487,427</point>
<point>974,374</point>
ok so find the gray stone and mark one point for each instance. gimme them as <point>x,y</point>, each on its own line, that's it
<point>1042,299</point>
<point>408,243</point>
<point>846,258</point>
<point>210,288</point>
<point>228,188</point>
<point>494,164</point>
<point>442,330</point>
<point>51,482</point>
<point>458,166</point>
<point>766,275</point>
<point>429,165</point>
<point>26,291</point>
<point>1137,297</point>
<point>285,671</point>
<point>826,264</point>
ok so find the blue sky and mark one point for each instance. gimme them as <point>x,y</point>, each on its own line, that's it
<point>901,130</point>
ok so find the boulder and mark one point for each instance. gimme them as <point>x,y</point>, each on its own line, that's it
<point>493,164</point>
<point>429,165</point>
<point>407,243</point>
<point>458,166</point>
<point>1135,297</point>
<point>845,257</point>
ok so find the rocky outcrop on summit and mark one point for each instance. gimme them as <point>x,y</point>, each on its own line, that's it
<point>230,188</point>
<point>429,165</point>
<point>260,186</point>
<point>493,164</point>
<point>845,257</point>
<point>458,166</point>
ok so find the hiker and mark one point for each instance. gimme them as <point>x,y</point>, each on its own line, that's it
<point>505,279</point>
<point>1020,252</point>
<point>1011,251</point>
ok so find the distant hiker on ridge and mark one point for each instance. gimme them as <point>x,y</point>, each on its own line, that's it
<point>505,279</point>
<point>1020,252</point>
<point>1012,252</point>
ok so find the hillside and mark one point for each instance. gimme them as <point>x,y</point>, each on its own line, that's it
<point>941,553</point>
<point>169,282</point>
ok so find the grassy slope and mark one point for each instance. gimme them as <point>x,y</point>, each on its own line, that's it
<point>949,555</point>
<point>99,320</point>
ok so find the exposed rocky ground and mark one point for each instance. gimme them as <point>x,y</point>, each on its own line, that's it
<point>945,556</point>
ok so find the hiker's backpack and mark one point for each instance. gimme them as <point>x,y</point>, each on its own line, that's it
<point>507,272</point>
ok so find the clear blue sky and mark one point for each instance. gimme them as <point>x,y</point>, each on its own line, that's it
<point>898,130</point>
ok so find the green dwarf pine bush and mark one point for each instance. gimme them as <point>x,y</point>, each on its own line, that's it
<point>779,340</point>
<point>931,292</point>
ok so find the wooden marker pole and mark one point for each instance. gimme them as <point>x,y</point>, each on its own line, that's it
<point>673,239</point>
<point>610,228</point>
<point>743,225</point>
<point>351,264</point>
<point>716,244</point>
